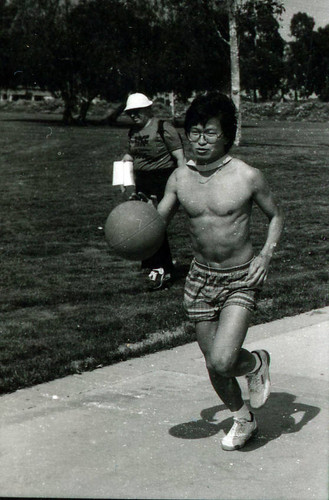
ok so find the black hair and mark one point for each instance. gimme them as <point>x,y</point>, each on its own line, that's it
<point>213,105</point>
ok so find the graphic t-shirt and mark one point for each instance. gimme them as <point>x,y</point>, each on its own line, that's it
<point>148,149</point>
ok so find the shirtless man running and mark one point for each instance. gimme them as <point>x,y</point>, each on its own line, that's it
<point>217,192</point>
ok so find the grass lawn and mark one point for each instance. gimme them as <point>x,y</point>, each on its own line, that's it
<point>68,304</point>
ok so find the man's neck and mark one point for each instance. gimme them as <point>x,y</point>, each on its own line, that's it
<point>207,167</point>
<point>138,128</point>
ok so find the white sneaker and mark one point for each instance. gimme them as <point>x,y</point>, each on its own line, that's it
<point>241,431</point>
<point>259,383</point>
<point>157,278</point>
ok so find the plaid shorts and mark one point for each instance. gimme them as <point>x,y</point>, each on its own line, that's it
<point>208,290</point>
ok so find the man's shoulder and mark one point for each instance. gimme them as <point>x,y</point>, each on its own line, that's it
<point>179,173</point>
<point>161,124</point>
<point>186,167</point>
<point>174,179</point>
<point>244,169</point>
<point>240,164</point>
<point>181,170</point>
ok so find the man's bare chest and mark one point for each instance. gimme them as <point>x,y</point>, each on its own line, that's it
<point>221,196</point>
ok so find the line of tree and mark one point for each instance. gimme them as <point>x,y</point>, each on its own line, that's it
<point>80,49</point>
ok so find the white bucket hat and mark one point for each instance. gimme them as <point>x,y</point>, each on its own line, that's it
<point>137,101</point>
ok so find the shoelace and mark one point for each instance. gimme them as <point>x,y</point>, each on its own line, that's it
<point>257,381</point>
<point>242,421</point>
<point>238,424</point>
<point>236,427</point>
<point>256,377</point>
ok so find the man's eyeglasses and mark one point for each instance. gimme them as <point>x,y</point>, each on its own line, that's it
<point>211,137</point>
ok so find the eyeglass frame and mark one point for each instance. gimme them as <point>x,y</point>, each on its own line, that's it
<point>204,135</point>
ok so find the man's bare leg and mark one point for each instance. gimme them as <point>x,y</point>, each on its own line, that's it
<point>221,341</point>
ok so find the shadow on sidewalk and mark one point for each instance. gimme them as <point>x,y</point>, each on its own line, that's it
<point>281,415</point>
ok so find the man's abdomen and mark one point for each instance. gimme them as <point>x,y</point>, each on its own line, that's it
<point>224,243</point>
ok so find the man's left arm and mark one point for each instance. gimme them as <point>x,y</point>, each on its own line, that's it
<point>174,143</point>
<point>264,198</point>
<point>178,154</point>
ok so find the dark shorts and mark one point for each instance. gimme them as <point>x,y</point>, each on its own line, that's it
<point>208,290</point>
<point>152,182</point>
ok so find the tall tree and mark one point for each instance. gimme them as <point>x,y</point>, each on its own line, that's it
<point>235,63</point>
<point>82,49</point>
<point>261,47</point>
<point>193,56</point>
<point>300,55</point>
<point>42,48</point>
<point>110,49</point>
<point>8,71</point>
<point>321,63</point>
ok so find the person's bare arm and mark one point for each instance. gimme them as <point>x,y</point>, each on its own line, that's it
<point>169,204</point>
<point>178,154</point>
<point>128,190</point>
<point>264,198</point>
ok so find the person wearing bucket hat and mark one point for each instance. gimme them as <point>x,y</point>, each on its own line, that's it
<point>156,149</point>
<point>136,101</point>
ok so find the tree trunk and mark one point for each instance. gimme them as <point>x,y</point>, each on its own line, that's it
<point>172,103</point>
<point>68,111</point>
<point>254,92</point>
<point>114,114</point>
<point>235,68</point>
<point>84,107</point>
<point>69,104</point>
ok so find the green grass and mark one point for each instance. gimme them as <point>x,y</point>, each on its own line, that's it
<point>68,304</point>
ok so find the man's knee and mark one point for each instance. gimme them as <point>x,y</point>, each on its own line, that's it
<point>221,364</point>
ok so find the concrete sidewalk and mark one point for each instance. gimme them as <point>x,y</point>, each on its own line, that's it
<point>151,427</point>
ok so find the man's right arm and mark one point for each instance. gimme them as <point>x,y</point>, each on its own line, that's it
<point>264,198</point>
<point>169,204</point>
<point>131,189</point>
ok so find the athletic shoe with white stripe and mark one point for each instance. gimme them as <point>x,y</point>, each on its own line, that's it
<point>241,431</point>
<point>259,383</point>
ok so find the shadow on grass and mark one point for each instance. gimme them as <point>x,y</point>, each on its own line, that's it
<point>180,272</point>
<point>282,415</point>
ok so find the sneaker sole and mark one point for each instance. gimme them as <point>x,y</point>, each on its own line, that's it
<point>161,285</point>
<point>239,446</point>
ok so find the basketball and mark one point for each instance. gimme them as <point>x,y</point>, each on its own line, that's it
<point>134,230</point>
